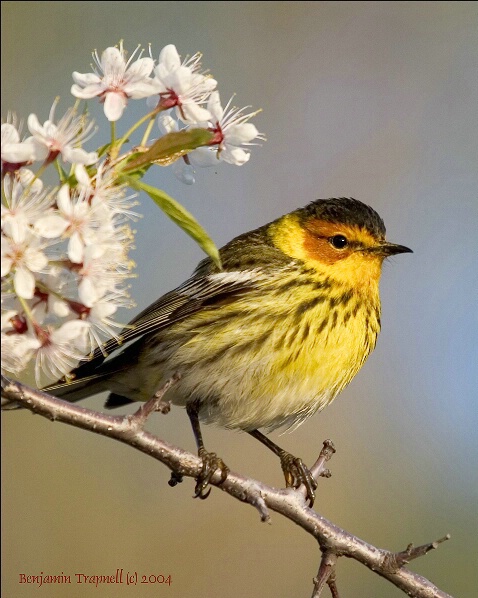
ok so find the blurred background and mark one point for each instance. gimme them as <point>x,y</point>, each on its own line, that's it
<point>374,100</point>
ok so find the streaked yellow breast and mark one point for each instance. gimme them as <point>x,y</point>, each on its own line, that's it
<point>275,356</point>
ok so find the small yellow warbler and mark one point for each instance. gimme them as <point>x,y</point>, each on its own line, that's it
<point>267,341</point>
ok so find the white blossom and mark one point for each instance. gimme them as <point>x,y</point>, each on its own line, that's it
<point>74,219</point>
<point>51,140</point>
<point>60,349</point>
<point>52,304</point>
<point>29,180</point>
<point>232,131</point>
<point>181,85</point>
<point>107,198</point>
<point>24,259</point>
<point>104,269</point>
<point>65,252</point>
<point>14,151</point>
<point>17,351</point>
<point>115,80</point>
<point>24,203</point>
<point>100,324</point>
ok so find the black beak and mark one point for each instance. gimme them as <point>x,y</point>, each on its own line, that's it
<point>387,249</point>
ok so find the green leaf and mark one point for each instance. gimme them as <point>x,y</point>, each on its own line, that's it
<point>103,149</point>
<point>170,147</point>
<point>62,174</point>
<point>180,216</point>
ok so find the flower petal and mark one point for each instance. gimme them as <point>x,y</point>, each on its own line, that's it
<point>35,259</point>
<point>77,155</point>
<point>85,79</point>
<point>103,309</point>
<point>193,113</point>
<point>169,57</point>
<point>140,69</point>
<point>17,228</point>
<point>235,155</point>
<point>242,133</point>
<point>34,125</point>
<point>112,60</point>
<point>88,92</point>
<point>115,103</point>
<point>69,331</point>
<point>87,292</point>
<point>140,89</point>
<point>51,226</point>
<point>24,283</point>
<point>16,153</point>
<point>81,175</point>
<point>75,248</point>
<point>9,134</point>
<point>64,200</point>
<point>40,150</point>
<point>58,307</point>
<point>6,264</point>
<point>214,106</point>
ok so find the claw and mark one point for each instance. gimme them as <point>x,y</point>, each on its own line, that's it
<point>210,464</point>
<point>200,494</point>
<point>296,474</point>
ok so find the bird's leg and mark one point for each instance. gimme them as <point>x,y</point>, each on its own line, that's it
<point>295,472</point>
<point>210,461</point>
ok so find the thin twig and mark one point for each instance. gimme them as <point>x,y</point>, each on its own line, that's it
<point>138,419</point>
<point>326,573</point>
<point>395,560</point>
<point>331,582</point>
<point>319,469</point>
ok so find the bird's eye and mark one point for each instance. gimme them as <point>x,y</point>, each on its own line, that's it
<point>338,241</point>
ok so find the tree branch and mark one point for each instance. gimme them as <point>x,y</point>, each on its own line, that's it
<point>334,542</point>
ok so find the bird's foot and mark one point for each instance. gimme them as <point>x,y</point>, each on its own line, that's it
<point>210,464</point>
<point>296,474</point>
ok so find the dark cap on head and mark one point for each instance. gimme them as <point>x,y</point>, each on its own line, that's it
<point>345,210</point>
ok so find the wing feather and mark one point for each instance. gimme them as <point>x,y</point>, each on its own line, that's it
<point>173,307</point>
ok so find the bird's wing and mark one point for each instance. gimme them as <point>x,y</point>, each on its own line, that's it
<point>174,306</point>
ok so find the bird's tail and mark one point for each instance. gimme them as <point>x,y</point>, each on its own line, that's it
<point>70,391</point>
<point>80,388</point>
<point>90,378</point>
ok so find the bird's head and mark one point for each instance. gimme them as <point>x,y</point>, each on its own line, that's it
<point>342,238</point>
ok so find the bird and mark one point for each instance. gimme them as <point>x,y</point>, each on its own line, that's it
<point>262,343</point>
